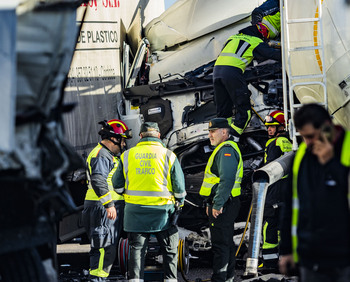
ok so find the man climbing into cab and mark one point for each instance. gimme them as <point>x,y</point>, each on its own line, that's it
<point>230,86</point>
<point>268,13</point>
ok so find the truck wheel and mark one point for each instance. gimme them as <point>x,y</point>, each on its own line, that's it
<point>123,255</point>
<point>183,257</point>
<point>22,266</point>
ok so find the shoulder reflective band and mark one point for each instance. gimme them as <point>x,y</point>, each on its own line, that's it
<point>345,152</point>
<point>295,204</point>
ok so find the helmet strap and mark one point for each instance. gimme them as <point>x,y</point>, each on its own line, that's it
<point>279,130</point>
<point>114,142</point>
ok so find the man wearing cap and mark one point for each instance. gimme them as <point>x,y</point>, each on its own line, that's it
<point>221,188</point>
<point>151,179</point>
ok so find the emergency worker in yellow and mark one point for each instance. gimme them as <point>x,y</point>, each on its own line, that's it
<point>103,207</point>
<point>230,86</point>
<point>276,146</point>
<point>315,231</point>
<point>221,188</point>
<point>268,13</point>
<point>151,179</point>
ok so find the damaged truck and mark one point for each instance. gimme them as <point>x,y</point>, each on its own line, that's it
<point>69,64</point>
<point>165,75</point>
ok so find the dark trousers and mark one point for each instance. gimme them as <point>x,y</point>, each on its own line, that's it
<point>103,234</point>
<point>270,244</point>
<point>232,90</point>
<point>223,247</point>
<point>168,241</point>
<point>341,274</point>
<point>270,250</point>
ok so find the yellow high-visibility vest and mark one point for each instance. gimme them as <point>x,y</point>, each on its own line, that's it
<point>238,51</point>
<point>147,174</point>
<point>282,142</point>
<point>273,23</point>
<point>111,195</point>
<point>210,179</point>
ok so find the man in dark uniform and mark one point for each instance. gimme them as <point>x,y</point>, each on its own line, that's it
<point>221,189</point>
<point>230,86</point>
<point>103,207</point>
<point>268,13</point>
<point>315,225</point>
<point>269,7</point>
<point>276,146</point>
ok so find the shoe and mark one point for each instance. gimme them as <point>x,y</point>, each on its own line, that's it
<point>93,278</point>
<point>235,138</point>
<point>268,268</point>
<point>234,135</point>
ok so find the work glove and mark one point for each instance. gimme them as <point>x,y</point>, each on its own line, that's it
<point>257,16</point>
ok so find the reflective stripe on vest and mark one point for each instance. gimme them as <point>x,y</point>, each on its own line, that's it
<point>295,204</point>
<point>273,23</point>
<point>345,160</point>
<point>345,152</point>
<point>211,179</point>
<point>282,142</point>
<point>238,51</point>
<point>90,193</point>
<point>147,175</point>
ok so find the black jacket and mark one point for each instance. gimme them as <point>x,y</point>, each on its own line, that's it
<point>324,218</point>
<point>274,196</point>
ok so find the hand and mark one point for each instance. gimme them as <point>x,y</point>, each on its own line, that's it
<point>286,263</point>
<point>111,213</point>
<point>323,149</point>
<point>257,16</point>
<point>207,211</point>
<point>216,213</point>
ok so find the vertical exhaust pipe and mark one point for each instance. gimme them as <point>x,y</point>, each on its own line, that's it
<point>262,179</point>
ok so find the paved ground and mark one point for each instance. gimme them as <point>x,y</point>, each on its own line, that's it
<point>73,261</point>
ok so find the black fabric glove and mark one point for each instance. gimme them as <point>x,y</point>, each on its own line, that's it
<point>257,16</point>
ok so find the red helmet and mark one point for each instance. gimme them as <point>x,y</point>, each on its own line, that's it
<point>264,30</point>
<point>115,128</point>
<point>275,118</point>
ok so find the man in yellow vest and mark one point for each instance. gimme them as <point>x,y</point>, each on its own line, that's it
<point>221,188</point>
<point>230,86</point>
<point>276,146</point>
<point>103,207</point>
<point>315,231</point>
<point>151,179</point>
<point>268,13</point>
